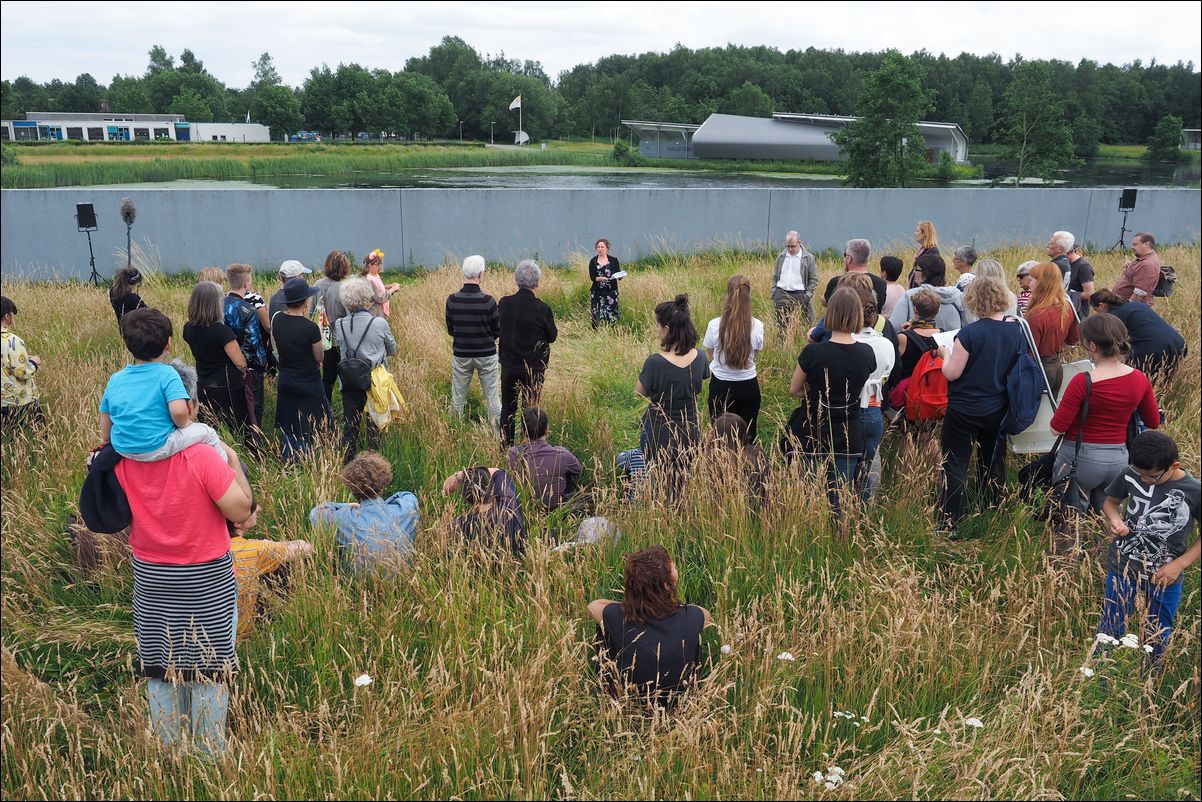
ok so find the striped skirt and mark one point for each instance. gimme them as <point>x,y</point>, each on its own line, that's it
<point>185,618</point>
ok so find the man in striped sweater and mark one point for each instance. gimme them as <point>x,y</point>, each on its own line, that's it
<point>474,325</point>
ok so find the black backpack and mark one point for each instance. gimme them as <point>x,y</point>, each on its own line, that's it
<point>354,370</point>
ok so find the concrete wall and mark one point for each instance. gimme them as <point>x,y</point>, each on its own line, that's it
<point>194,228</point>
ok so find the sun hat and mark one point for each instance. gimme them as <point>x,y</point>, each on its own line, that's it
<point>297,290</point>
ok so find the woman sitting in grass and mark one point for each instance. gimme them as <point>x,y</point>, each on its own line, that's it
<point>651,638</point>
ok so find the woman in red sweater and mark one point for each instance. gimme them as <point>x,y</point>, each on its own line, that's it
<point>1052,320</point>
<point>1117,392</point>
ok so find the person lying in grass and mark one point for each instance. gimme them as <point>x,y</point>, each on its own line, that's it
<point>495,518</point>
<point>1149,552</point>
<point>372,530</point>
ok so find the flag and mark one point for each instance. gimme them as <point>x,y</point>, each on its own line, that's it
<point>248,115</point>
<point>516,104</point>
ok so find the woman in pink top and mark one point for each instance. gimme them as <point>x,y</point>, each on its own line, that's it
<point>1116,391</point>
<point>372,263</point>
<point>185,603</point>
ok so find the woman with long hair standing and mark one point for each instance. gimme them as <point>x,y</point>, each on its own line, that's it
<point>122,295</point>
<point>732,341</point>
<point>603,295</point>
<point>1052,320</point>
<point>220,364</point>
<point>928,243</point>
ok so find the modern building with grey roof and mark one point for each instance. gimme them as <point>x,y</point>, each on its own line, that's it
<point>782,137</point>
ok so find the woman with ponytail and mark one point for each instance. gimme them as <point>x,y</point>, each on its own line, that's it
<point>1115,392</point>
<point>671,380</point>
<point>732,341</point>
<point>122,295</point>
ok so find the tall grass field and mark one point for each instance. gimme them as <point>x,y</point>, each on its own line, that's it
<point>483,678</point>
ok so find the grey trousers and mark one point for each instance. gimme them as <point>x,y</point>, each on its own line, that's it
<point>789,303</point>
<point>489,369</point>
<point>1097,466</point>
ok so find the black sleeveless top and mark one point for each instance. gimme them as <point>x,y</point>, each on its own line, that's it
<point>657,657</point>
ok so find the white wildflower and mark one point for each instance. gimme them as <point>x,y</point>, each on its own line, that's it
<point>1148,648</point>
<point>759,771</point>
<point>835,770</point>
<point>725,648</point>
<point>938,732</point>
<point>974,722</point>
<point>785,656</point>
<point>1103,638</point>
<point>830,786</point>
<point>818,777</point>
<point>362,681</point>
<point>1130,641</point>
<point>1087,671</point>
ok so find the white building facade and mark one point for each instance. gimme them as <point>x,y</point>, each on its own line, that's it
<point>43,126</point>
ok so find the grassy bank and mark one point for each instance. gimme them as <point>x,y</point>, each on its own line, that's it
<point>1134,152</point>
<point>68,164</point>
<point>483,686</point>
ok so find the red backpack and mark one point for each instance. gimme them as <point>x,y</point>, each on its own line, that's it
<point>926,393</point>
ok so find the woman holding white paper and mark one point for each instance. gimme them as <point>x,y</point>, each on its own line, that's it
<point>604,272</point>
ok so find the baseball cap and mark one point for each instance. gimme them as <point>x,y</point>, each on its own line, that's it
<point>292,269</point>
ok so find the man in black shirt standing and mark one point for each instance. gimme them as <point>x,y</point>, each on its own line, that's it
<point>474,325</point>
<point>1059,244</point>
<point>855,260</point>
<point>527,331</point>
<point>1080,280</point>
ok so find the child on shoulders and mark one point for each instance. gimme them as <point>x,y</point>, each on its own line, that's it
<point>144,410</point>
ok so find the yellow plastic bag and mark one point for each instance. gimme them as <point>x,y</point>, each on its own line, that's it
<point>384,400</point>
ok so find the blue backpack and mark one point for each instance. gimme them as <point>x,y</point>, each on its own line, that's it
<point>1025,387</point>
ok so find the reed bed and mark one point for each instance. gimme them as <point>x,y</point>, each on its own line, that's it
<point>483,683</point>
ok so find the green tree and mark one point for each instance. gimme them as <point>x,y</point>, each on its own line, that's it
<point>190,104</point>
<point>26,96</point>
<point>278,108</point>
<point>85,95</point>
<point>885,148</point>
<point>750,101</point>
<point>265,72</point>
<point>160,61</point>
<point>1035,133</point>
<point>1165,143</point>
<point>127,95</point>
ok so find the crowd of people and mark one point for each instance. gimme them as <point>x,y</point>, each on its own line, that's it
<point>935,353</point>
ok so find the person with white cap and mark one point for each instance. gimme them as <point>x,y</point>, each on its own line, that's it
<point>289,270</point>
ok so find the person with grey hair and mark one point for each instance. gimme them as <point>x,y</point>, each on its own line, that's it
<point>1059,244</point>
<point>963,259</point>
<point>794,282</point>
<point>527,331</point>
<point>474,323</point>
<point>364,336</point>
<point>855,260</point>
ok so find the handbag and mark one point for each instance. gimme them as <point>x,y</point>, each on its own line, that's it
<point>1039,473</point>
<point>354,371</point>
<point>1061,487</point>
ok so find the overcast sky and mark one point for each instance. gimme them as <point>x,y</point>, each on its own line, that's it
<point>64,39</point>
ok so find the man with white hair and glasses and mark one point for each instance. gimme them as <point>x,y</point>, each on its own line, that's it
<point>1059,244</point>
<point>527,331</point>
<point>474,324</point>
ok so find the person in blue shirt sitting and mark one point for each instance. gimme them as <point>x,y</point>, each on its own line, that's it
<point>372,531</point>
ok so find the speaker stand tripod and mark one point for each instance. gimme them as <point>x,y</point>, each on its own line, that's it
<point>1121,244</point>
<point>95,277</point>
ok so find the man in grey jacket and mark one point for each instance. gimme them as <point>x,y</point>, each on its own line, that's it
<point>794,282</point>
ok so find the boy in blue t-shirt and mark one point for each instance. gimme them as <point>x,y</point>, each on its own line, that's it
<point>144,410</point>
<point>1151,546</point>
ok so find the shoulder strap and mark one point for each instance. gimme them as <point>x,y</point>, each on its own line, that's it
<point>1081,420</point>
<point>362,337</point>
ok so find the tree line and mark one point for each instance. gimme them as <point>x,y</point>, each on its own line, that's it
<point>456,84</point>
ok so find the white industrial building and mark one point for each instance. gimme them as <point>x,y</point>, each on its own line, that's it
<point>43,126</point>
<point>801,137</point>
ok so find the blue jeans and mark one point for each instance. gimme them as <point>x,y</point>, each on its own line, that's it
<point>872,425</point>
<point>1120,601</point>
